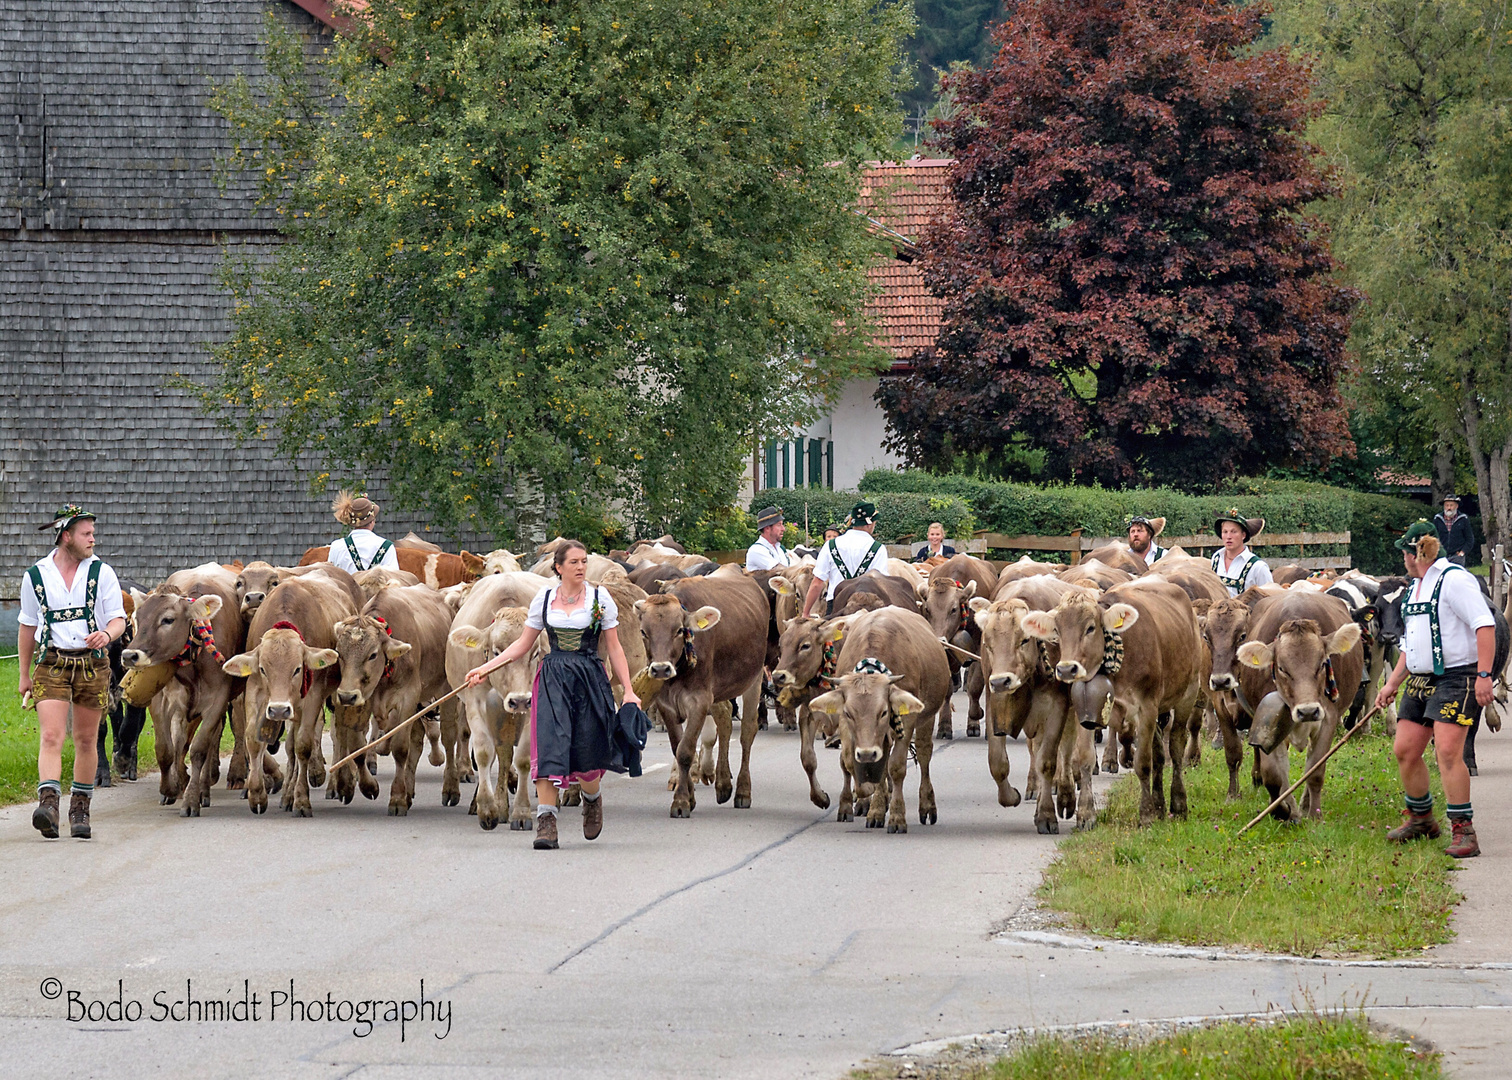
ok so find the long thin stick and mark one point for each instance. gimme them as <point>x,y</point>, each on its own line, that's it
<point>1362,722</point>
<point>957,648</point>
<point>398,727</point>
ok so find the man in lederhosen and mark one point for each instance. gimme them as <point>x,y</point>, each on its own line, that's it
<point>361,548</point>
<point>1142,532</point>
<point>1448,655</point>
<point>71,610</point>
<point>848,555</point>
<point>1236,565</point>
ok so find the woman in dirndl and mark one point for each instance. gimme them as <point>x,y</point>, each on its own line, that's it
<point>572,710</point>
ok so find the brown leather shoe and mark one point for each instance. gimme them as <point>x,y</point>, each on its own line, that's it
<point>45,816</point>
<point>546,832</point>
<point>1464,845</point>
<point>593,817</point>
<point>78,816</point>
<point>1416,827</point>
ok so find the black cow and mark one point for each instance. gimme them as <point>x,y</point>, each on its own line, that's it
<point>126,720</point>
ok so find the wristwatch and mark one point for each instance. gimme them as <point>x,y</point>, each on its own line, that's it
<point>1482,674</point>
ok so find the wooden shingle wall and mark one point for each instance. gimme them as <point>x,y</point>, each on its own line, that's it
<point>112,230</point>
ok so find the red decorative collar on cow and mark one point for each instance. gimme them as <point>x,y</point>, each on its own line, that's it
<point>201,636</point>
<point>388,663</point>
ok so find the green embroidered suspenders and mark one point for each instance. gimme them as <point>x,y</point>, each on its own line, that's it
<point>1429,608</point>
<point>1235,583</point>
<point>378,556</point>
<point>865,562</point>
<point>60,615</point>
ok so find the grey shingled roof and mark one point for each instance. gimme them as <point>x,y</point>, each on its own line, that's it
<point>112,230</point>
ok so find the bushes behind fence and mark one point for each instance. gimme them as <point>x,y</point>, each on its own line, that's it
<point>902,516</point>
<point>1288,506</point>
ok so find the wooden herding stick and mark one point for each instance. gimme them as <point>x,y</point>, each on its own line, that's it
<point>398,727</point>
<point>963,652</point>
<point>1362,722</point>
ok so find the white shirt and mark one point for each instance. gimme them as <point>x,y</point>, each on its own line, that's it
<point>1462,611</point>
<point>71,635</point>
<point>1152,551</point>
<point>579,617</point>
<point>367,543</point>
<point>1259,573</point>
<point>765,555</point>
<point>853,546</point>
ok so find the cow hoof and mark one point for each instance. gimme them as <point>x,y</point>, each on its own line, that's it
<point>761,725</point>
<point>899,827</point>
<point>346,799</point>
<point>450,798</point>
<point>472,810</point>
<point>398,810</point>
<point>258,808</point>
<point>742,802</point>
<point>372,766</point>
<point>276,786</point>
<point>167,800</point>
<point>944,734</point>
<point>832,743</point>
<point>789,727</point>
<point>822,800</point>
<point>1047,827</point>
<point>189,810</point>
<point>489,823</point>
<point>520,824</point>
<point>877,824</point>
<point>973,731</point>
<point>244,794</point>
<point>722,794</point>
<point>304,811</point>
<point>1096,768</point>
<point>1086,824</point>
<point>1112,767</point>
<point>102,775</point>
<point>236,785</point>
<point>1011,797</point>
<point>204,799</point>
<point>317,777</point>
<point>928,817</point>
<point>842,814</point>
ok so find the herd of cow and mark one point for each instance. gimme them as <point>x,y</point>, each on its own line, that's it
<point>1061,655</point>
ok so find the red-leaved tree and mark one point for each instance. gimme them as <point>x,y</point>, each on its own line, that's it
<point>1130,280</point>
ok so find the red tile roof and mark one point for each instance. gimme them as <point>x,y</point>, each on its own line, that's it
<point>901,198</point>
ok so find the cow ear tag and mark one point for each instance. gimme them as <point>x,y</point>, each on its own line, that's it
<point>902,709</point>
<point>472,642</point>
<point>1119,624</point>
<point>703,624</point>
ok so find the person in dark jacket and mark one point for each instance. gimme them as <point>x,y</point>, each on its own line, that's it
<point>935,546</point>
<point>1454,533</point>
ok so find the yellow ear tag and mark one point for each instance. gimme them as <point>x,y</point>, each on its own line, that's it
<point>472,642</point>
<point>1119,624</point>
<point>902,710</point>
<point>703,624</point>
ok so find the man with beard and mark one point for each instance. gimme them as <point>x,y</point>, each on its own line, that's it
<point>1142,533</point>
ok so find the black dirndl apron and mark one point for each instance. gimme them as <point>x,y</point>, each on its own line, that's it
<point>572,711</point>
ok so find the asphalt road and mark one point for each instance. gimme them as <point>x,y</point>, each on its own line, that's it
<point>770,942</point>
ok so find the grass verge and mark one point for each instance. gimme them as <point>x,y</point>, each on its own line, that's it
<point>1327,888</point>
<point>18,743</point>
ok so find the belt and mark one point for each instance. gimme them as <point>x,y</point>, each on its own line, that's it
<point>50,651</point>
<point>1464,669</point>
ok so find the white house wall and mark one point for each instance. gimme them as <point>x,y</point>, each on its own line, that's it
<point>857,427</point>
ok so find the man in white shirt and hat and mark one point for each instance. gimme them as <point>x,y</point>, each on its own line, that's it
<point>71,609</point>
<point>1236,565</point>
<point>1447,661</point>
<point>847,556</point>
<point>361,548</point>
<point>1142,532</point>
<point>767,553</point>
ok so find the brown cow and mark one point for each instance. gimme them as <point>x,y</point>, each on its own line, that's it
<point>1026,567</point>
<point>375,579</point>
<point>1098,573</point>
<point>1025,696</point>
<point>707,639</point>
<point>1157,676</point>
<point>1197,580</point>
<point>290,672</point>
<point>393,660</point>
<point>892,591</point>
<point>1307,648</point>
<point>951,586</point>
<point>438,569</point>
<point>1225,626</point>
<point>1119,557</point>
<point>895,678</point>
<point>808,652</point>
<point>410,540</point>
<point>188,714</point>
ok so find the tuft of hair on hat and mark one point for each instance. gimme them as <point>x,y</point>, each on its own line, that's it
<point>353,510</point>
<point>1428,548</point>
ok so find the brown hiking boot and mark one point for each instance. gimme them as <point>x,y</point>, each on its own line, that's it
<point>45,816</point>
<point>593,817</point>
<point>78,816</point>
<point>1464,845</point>
<point>1416,827</point>
<point>546,832</point>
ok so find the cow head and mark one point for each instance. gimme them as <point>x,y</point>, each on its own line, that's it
<point>872,710</point>
<point>275,672</point>
<point>942,599</point>
<point>791,584</point>
<point>367,653</point>
<point>1010,654</point>
<point>500,561</point>
<point>256,580</point>
<point>473,566</point>
<point>1077,626</point>
<point>513,682</point>
<point>667,629</point>
<point>1224,629</point>
<point>1300,658</point>
<point>801,651</point>
<point>163,619</point>
<point>1388,608</point>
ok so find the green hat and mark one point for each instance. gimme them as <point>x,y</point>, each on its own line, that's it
<point>1415,532</point>
<point>1252,527</point>
<point>66,516</point>
<point>863,513</point>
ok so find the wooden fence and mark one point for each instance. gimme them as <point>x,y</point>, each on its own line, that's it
<point>1076,545</point>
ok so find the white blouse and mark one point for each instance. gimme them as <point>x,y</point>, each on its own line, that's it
<point>579,617</point>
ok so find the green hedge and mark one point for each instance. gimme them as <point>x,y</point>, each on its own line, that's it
<point>1286,505</point>
<point>899,514</point>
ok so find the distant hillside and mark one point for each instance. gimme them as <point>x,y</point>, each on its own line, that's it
<point>949,30</point>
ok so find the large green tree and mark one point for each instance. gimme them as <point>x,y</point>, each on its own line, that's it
<point>1419,125</point>
<point>560,254</point>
